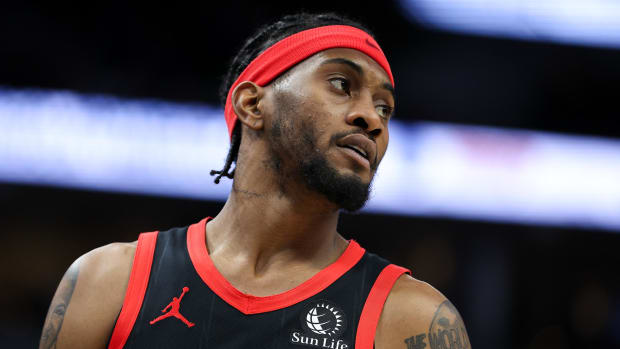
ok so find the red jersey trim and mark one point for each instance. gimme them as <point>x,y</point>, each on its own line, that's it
<point>248,304</point>
<point>367,327</point>
<point>138,281</point>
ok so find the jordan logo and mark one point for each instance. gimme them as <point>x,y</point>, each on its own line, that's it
<point>174,310</point>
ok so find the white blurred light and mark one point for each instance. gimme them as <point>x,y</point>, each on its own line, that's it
<point>106,143</point>
<point>503,175</point>
<point>584,22</point>
<point>161,148</point>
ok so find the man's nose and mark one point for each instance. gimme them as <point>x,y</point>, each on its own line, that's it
<point>364,115</point>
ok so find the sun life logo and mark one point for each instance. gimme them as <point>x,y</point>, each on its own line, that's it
<point>325,319</point>
<point>323,324</point>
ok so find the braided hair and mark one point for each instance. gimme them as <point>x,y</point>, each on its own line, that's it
<point>265,37</point>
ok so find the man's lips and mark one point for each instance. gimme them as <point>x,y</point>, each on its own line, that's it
<point>361,145</point>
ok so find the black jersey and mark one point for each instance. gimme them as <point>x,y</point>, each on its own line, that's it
<point>176,298</point>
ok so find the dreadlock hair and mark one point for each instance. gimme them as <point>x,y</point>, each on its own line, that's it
<point>265,37</point>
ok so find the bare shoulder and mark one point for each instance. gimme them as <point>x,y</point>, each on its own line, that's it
<point>109,264</point>
<point>417,316</point>
<point>88,299</point>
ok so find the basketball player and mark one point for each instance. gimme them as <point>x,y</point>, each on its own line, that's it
<point>308,101</point>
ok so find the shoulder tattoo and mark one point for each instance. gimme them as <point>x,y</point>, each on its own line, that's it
<point>447,331</point>
<point>58,307</point>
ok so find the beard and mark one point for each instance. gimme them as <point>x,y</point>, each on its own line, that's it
<point>348,191</point>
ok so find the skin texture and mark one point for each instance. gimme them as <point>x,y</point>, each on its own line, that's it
<point>417,316</point>
<point>278,227</point>
<point>89,297</point>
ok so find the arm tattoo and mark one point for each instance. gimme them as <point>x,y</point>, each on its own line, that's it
<point>58,307</point>
<point>447,331</point>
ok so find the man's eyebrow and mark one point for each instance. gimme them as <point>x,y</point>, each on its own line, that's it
<point>388,87</point>
<point>351,64</point>
<point>358,69</point>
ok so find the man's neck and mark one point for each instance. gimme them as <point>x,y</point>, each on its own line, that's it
<point>267,228</point>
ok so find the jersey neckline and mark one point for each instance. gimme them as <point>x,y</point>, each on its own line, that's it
<point>249,304</point>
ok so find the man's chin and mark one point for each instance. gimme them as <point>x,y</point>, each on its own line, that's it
<point>347,190</point>
<point>363,176</point>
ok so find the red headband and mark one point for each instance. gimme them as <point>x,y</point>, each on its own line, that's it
<point>295,48</point>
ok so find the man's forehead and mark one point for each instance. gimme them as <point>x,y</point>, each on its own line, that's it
<point>362,63</point>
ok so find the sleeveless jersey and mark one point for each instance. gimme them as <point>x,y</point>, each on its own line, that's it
<point>176,298</point>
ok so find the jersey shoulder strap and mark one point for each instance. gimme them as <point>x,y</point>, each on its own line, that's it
<point>371,312</point>
<point>138,281</point>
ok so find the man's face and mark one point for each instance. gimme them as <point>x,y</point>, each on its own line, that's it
<point>329,125</point>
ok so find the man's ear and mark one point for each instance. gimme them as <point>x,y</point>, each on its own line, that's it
<point>245,99</point>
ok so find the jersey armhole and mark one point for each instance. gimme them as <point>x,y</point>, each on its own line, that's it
<point>138,282</point>
<point>369,319</point>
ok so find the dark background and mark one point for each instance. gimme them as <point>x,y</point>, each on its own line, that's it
<point>516,286</point>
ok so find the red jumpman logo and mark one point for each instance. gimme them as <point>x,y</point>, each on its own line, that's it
<point>174,310</point>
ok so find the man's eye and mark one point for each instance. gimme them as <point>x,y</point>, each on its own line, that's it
<point>384,111</point>
<point>341,84</point>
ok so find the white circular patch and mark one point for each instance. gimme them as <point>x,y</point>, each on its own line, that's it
<point>325,319</point>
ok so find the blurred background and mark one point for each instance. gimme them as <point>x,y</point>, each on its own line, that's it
<point>501,186</point>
